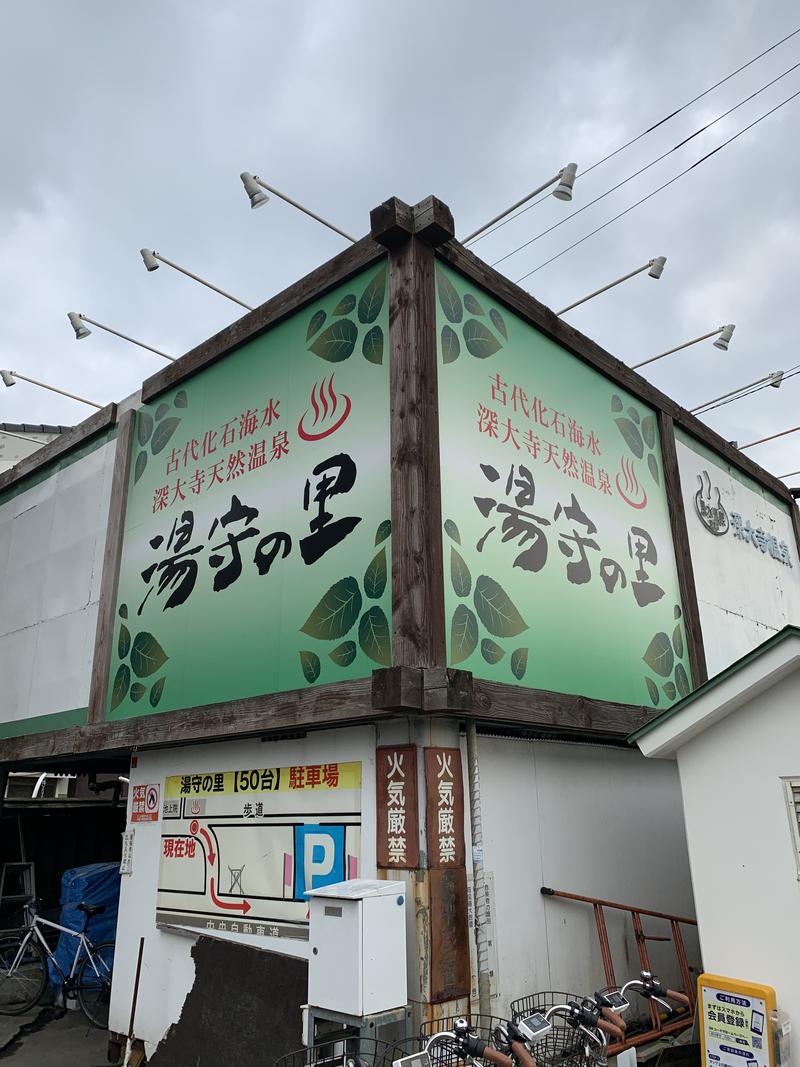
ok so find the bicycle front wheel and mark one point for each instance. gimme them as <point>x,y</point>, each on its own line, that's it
<point>23,975</point>
<point>94,984</point>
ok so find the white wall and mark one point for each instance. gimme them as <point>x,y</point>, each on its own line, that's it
<point>744,595</point>
<point>52,540</point>
<point>168,969</point>
<point>592,820</point>
<point>740,846</point>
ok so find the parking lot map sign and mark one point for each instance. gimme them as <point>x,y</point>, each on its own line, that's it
<point>240,850</point>
<point>559,566</point>
<point>256,552</point>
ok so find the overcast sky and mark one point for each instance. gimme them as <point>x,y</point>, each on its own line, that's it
<point>126,125</point>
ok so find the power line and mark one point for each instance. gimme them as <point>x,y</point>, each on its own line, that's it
<point>659,189</point>
<point>650,129</point>
<point>791,373</point>
<point>647,166</point>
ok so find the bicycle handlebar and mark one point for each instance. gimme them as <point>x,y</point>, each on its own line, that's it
<point>610,1028</point>
<point>521,1054</point>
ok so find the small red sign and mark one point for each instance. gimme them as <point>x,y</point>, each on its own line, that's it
<point>145,803</point>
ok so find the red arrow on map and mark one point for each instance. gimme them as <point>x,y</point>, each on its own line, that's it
<point>244,907</point>
<point>211,853</point>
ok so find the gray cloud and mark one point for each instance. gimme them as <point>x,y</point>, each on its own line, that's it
<point>128,126</point>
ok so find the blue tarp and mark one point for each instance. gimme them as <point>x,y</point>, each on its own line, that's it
<point>97,883</point>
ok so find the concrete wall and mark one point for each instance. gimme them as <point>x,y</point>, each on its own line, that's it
<point>740,845</point>
<point>591,820</point>
<point>168,971</point>
<point>52,540</point>
<point>745,595</point>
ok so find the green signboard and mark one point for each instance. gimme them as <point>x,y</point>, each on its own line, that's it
<point>559,566</point>
<point>256,553</point>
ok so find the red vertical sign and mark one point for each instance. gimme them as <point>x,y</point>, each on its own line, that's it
<point>398,817</point>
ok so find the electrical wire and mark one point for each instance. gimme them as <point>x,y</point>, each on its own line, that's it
<point>659,189</point>
<point>649,129</point>
<point>647,166</point>
<point>791,373</point>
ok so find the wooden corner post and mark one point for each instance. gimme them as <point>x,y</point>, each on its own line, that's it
<point>410,235</point>
<point>683,556</point>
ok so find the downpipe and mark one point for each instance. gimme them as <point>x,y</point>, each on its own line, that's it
<point>479,880</point>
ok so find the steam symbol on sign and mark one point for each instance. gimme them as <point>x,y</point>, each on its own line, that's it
<point>325,402</point>
<point>629,489</point>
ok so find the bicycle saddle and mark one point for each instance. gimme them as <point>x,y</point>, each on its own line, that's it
<point>91,909</point>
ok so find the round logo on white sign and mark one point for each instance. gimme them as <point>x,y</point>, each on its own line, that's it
<point>151,798</point>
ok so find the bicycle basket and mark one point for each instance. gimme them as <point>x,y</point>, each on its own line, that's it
<point>447,1053</point>
<point>343,1052</point>
<point>564,1045</point>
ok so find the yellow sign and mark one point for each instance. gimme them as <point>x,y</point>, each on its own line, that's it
<point>735,1022</point>
<point>318,777</point>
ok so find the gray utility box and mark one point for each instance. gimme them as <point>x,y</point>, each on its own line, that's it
<point>357,964</point>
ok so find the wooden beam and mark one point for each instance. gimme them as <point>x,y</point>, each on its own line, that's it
<point>59,447</point>
<point>418,630</point>
<point>106,617</point>
<point>561,713</point>
<point>683,555</point>
<point>339,704</point>
<point>320,281</point>
<point>545,320</point>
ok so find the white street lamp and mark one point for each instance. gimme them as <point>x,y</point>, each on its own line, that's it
<point>152,260</point>
<point>10,377</point>
<point>563,191</point>
<point>774,379</point>
<point>654,268</point>
<point>255,186</point>
<point>82,330</point>
<point>725,334</point>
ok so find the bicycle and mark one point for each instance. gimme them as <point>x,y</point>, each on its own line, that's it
<point>24,973</point>
<point>509,1045</point>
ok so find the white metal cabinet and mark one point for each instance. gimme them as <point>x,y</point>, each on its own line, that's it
<point>357,964</point>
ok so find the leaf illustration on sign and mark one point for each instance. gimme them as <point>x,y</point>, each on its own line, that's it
<point>344,654</point>
<point>472,305</point>
<point>372,345</point>
<point>181,399</point>
<point>161,411</point>
<point>144,427</point>
<point>652,689</point>
<point>156,691</point>
<point>448,297</point>
<point>337,342</point>
<point>682,681</point>
<point>124,643</point>
<point>519,663</point>
<point>677,611</point>
<point>633,439</point>
<point>164,432</point>
<point>122,680</point>
<point>345,305</point>
<point>480,341</point>
<point>123,611</point>
<point>336,613</point>
<point>616,403</point>
<point>459,574</point>
<point>371,302</point>
<point>463,634</point>
<point>491,651</point>
<point>451,530</point>
<point>669,690</point>
<point>383,531</point>
<point>634,414</point>
<point>677,642</point>
<point>375,576</point>
<point>137,691</point>
<point>496,610</point>
<point>498,322</point>
<point>659,656</point>
<point>373,636</point>
<point>652,464</point>
<point>141,463</point>
<point>315,324</point>
<point>451,346</point>
<point>147,655</point>
<point>649,431</point>
<point>311,665</point>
